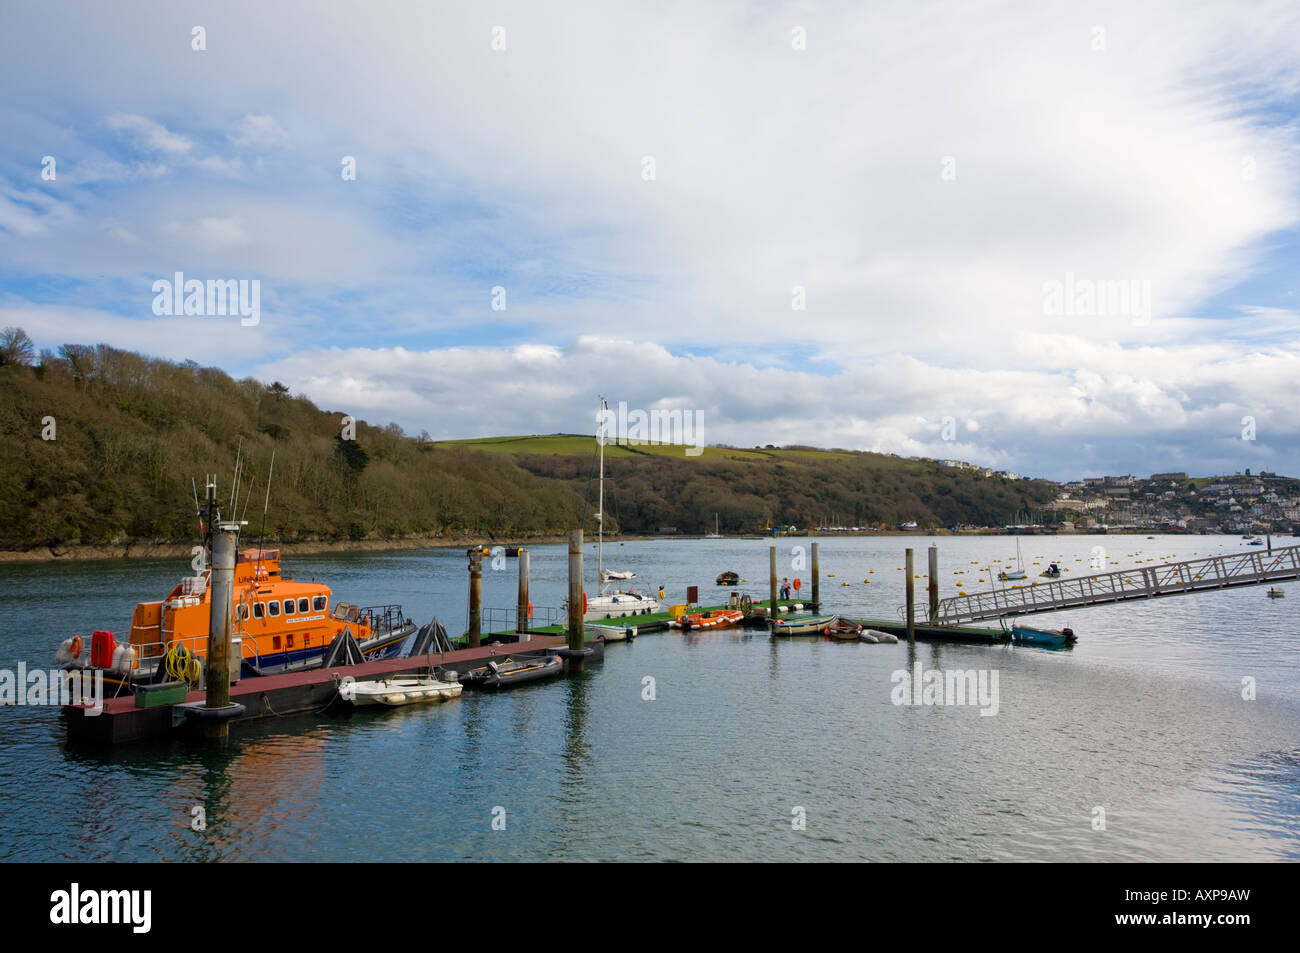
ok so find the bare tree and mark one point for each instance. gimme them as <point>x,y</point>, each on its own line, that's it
<point>15,347</point>
<point>81,360</point>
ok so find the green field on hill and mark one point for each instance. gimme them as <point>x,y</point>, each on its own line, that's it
<point>565,444</point>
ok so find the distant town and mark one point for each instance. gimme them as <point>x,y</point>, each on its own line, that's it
<point>1246,502</point>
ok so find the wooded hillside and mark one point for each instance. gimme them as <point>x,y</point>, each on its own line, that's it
<point>129,434</point>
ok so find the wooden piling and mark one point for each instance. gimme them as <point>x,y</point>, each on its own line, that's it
<point>225,541</point>
<point>933,587</point>
<point>771,552</point>
<point>575,633</point>
<point>521,609</point>
<point>475,596</point>
<point>816,578</point>
<point>911,597</point>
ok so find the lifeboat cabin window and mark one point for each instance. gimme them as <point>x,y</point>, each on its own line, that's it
<point>273,609</point>
<point>288,607</point>
<point>241,612</point>
<point>318,604</point>
<point>304,604</point>
<point>259,610</point>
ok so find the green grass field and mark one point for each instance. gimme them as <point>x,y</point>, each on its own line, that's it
<point>578,445</point>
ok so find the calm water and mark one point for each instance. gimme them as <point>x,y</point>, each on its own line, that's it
<point>1144,718</point>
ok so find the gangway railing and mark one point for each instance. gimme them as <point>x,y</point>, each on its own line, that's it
<point>1144,582</point>
<point>507,619</point>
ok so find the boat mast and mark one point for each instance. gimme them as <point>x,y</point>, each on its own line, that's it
<point>600,499</point>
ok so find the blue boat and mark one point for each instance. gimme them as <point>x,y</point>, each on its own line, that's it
<point>1031,635</point>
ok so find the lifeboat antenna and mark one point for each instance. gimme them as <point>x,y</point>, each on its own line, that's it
<point>261,539</point>
<point>209,511</point>
<point>234,485</point>
<point>251,486</point>
<point>198,507</point>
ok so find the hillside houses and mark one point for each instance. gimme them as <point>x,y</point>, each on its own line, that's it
<point>1172,502</point>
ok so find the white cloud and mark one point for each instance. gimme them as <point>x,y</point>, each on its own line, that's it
<point>259,133</point>
<point>220,340</point>
<point>1008,418</point>
<point>150,135</point>
<point>211,232</point>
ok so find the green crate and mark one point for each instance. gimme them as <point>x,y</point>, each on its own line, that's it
<point>164,693</point>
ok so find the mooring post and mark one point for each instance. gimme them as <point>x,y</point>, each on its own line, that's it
<point>933,587</point>
<point>522,622</point>
<point>475,595</point>
<point>816,579</point>
<point>225,541</point>
<point>911,598</point>
<point>576,634</point>
<point>771,552</point>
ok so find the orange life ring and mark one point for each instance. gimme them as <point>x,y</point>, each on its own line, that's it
<point>530,610</point>
<point>76,646</point>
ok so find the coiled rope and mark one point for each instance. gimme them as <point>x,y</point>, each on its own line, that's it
<point>182,665</point>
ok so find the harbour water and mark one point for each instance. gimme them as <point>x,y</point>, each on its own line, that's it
<point>740,740</point>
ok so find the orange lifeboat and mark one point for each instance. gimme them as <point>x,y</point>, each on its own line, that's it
<point>717,619</point>
<point>277,624</point>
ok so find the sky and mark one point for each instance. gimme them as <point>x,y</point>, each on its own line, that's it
<point>1057,239</point>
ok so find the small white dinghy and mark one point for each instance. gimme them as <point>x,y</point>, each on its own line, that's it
<point>875,635</point>
<point>404,690</point>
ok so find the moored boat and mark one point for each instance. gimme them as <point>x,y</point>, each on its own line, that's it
<point>402,690</point>
<point>843,630</point>
<point>728,579</point>
<point>1008,575</point>
<point>715,619</point>
<point>618,605</point>
<point>611,633</point>
<point>609,604</point>
<point>810,625</point>
<point>1276,593</point>
<point>510,672</point>
<point>875,635</point>
<point>1033,635</point>
<point>277,625</point>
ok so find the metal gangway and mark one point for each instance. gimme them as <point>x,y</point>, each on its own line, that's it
<point>1122,585</point>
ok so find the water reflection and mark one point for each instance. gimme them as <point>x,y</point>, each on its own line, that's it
<point>577,750</point>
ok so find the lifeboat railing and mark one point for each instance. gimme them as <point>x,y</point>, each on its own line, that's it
<point>382,619</point>
<point>151,654</point>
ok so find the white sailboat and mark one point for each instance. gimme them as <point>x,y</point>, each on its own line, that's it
<point>610,604</point>
<point>1017,573</point>
<point>716,534</point>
